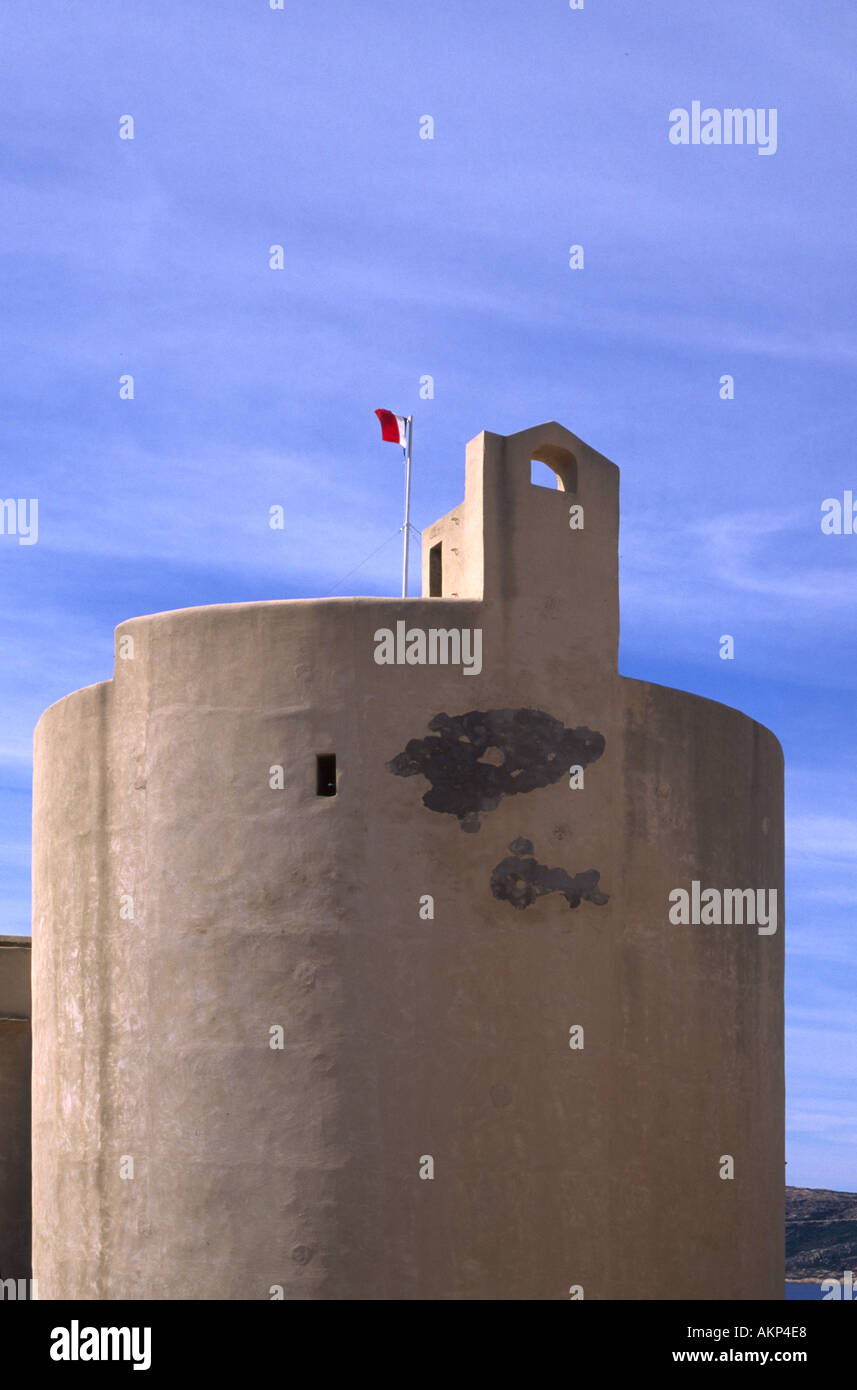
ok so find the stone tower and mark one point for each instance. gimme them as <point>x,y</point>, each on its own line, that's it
<point>358,971</point>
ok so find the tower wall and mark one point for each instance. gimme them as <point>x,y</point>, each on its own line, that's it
<point>407,1037</point>
<point>15,1227</point>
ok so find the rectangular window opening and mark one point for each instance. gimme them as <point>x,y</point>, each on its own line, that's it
<point>436,571</point>
<point>325,774</point>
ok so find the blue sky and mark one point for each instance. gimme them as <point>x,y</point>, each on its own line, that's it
<point>406,257</point>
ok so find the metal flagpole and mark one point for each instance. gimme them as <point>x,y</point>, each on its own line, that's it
<point>407,528</point>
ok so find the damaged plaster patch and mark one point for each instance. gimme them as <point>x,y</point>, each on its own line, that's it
<point>519,879</point>
<point>476,759</point>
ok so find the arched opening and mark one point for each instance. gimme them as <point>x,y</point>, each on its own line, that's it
<point>542,476</point>
<point>553,467</point>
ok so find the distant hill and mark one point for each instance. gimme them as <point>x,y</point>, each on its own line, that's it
<point>821,1233</point>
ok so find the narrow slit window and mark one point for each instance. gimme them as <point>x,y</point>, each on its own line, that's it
<point>325,774</point>
<point>436,571</point>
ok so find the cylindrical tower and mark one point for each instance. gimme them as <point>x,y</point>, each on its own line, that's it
<point>359,962</point>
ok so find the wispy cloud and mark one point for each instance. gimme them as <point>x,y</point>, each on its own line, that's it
<point>815,836</point>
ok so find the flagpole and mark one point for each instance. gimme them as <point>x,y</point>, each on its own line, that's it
<point>407,527</point>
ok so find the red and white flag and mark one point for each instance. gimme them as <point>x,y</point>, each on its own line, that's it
<point>394,428</point>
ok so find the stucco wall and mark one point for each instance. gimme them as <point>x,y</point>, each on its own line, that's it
<point>15,1108</point>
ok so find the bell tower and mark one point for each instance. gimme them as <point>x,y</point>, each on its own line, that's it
<point>537,550</point>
